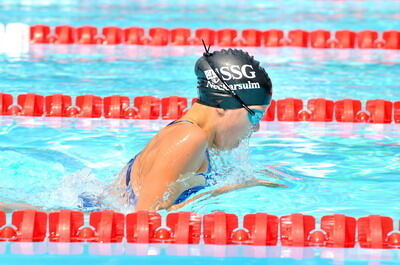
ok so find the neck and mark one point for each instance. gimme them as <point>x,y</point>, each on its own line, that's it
<point>205,117</point>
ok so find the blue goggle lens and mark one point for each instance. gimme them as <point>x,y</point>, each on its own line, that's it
<point>256,117</point>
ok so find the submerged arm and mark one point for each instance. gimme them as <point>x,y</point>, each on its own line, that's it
<point>9,207</point>
<point>229,188</point>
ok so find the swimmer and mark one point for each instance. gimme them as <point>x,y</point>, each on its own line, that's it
<point>234,94</point>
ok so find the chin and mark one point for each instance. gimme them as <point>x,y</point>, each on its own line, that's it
<point>224,147</point>
<point>227,146</point>
<point>232,146</point>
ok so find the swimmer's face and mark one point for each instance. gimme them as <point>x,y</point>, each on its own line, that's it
<point>234,126</point>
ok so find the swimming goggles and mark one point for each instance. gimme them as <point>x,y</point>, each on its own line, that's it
<point>256,117</point>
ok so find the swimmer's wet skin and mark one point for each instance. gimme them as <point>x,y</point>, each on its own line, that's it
<point>234,93</point>
<point>183,196</point>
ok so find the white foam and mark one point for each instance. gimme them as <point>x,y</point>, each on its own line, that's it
<point>2,37</point>
<point>16,39</point>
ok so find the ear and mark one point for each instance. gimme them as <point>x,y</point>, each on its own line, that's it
<point>220,112</point>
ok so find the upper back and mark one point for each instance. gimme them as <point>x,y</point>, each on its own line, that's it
<point>180,145</point>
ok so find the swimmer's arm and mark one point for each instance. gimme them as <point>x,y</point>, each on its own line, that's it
<point>228,188</point>
<point>9,207</point>
<point>186,155</point>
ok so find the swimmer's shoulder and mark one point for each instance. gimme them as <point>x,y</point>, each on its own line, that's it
<point>187,134</point>
<point>176,147</point>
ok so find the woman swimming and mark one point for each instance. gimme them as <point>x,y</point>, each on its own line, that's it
<point>234,93</point>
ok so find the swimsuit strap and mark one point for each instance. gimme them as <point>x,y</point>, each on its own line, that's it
<point>129,169</point>
<point>178,121</point>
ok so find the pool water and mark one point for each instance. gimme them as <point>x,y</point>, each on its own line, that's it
<point>288,14</point>
<point>165,71</point>
<point>328,167</point>
<point>116,253</point>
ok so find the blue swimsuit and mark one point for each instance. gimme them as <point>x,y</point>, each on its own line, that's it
<point>184,195</point>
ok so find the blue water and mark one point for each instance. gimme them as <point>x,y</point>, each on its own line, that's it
<point>166,71</point>
<point>329,168</point>
<point>288,14</point>
<point>56,253</point>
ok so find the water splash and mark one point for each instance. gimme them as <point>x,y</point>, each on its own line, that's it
<point>67,193</point>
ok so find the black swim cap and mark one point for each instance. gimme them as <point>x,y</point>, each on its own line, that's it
<point>241,73</point>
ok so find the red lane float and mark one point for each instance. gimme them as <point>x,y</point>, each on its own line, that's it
<point>180,36</point>
<point>336,231</point>
<point>251,38</point>
<point>64,226</point>
<point>134,36</point>
<point>221,228</point>
<point>367,39</point>
<point>89,106</point>
<point>206,34</point>
<point>57,105</point>
<point>345,39</point>
<point>64,35</point>
<point>340,230</point>
<point>346,110</point>
<point>380,111</point>
<point>218,228</point>
<point>321,109</point>
<point>226,37</point>
<point>141,226</point>
<point>40,34</point>
<point>391,39</point>
<point>185,227</point>
<point>262,228</point>
<point>159,36</point>
<point>3,234</point>
<point>288,109</point>
<point>319,38</point>
<point>68,226</point>
<point>148,107</point>
<point>31,104</point>
<point>174,107</point>
<point>373,231</point>
<point>298,38</point>
<point>115,107</point>
<point>396,112</point>
<point>108,227</point>
<point>273,38</point>
<point>295,229</point>
<point>28,226</point>
<point>145,227</point>
<point>86,35</point>
<point>112,35</point>
<point>6,101</point>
